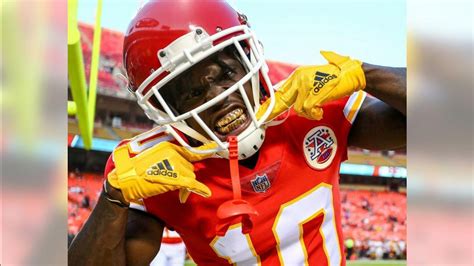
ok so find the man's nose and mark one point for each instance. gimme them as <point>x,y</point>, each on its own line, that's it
<point>214,91</point>
<point>207,79</point>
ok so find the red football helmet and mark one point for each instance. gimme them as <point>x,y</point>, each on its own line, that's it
<point>167,38</point>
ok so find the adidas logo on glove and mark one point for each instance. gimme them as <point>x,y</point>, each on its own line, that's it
<point>162,168</point>
<point>320,79</point>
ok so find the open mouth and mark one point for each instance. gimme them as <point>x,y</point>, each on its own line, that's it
<point>233,123</point>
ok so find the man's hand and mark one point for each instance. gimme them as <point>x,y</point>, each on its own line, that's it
<point>164,167</point>
<point>309,87</point>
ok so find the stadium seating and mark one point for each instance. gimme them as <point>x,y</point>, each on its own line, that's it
<point>73,127</point>
<point>81,186</point>
<point>373,215</point>
<point>372,158</point>
<point>127,133</point>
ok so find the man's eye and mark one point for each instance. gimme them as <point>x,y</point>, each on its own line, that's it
<point>196,92</point>
<point>229,72</point>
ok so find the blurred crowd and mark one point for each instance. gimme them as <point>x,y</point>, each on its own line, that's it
<point>83,191</point>
<point>375,249</point>
<point>373,222</point>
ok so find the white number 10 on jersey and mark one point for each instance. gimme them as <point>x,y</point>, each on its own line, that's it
<point>288,232</point>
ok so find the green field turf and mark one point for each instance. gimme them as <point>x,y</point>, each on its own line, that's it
<point>354,263</point>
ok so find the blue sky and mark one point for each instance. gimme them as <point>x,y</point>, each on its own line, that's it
<point>373,31</point>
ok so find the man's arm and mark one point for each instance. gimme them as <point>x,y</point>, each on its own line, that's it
<point>142,238</point>
<point>381,122</point>
<point>114,235</point>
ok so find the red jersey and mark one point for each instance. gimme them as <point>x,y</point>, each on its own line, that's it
<point>294,187</point>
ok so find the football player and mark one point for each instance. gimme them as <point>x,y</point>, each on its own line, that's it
<point>198,71</point>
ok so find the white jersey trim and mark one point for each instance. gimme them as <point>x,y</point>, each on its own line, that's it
<point>352,107</point>
<point>152,137</point>
<point>138,206</point>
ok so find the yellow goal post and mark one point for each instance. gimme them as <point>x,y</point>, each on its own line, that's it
<point>83,103</point>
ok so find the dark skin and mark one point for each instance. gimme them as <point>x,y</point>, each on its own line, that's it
<point>381,121</point>
<point>115,235</point>
<point>202,83</point>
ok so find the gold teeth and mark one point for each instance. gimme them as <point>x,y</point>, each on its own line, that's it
<point>229,117</point>
<point>233,125</point>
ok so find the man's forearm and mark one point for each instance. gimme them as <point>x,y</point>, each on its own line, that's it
<point>388,84</point>
<point>102,239</point>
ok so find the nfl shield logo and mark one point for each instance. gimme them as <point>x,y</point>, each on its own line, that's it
<point>261,183</point>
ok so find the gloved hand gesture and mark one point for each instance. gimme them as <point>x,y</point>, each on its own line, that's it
<point>164,167</point>
<point>309,87</point>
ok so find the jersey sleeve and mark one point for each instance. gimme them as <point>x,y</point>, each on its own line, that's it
<point>109,166</point>
<point>351,107</point>
<point>353,104</point>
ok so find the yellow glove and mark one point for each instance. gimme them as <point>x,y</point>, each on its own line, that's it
<point>309,87</point>
<point>162,168</point>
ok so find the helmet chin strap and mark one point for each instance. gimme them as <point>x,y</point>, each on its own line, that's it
<point>183,127</point>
